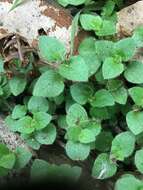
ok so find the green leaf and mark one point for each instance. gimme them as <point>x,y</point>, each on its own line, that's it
<point>102,98</point>
<point>108,8</point>
<point>86,136</point>
<point>121,47</point>
<point>139,160</point>
<point>51,49</point>
<point>42,170</point>
<point>103,141</point>
<point>36,104</point>
<point>136,94</point>
<point>91,22</point>
<point>108,28</point>
<point>77,151</point>
<point>17,85</point>
<point>75,115</point>
<point>62,122</point>
<point>11,123</point>
<point>103,167</point>
<point>73,133</point>
<point>138,36</point>
<point>75,69</point>
<point>104,49</point>
<point>23,156</point>
<point>33,143</point>
<point>87,46</point>
<point>16,3</point>
<point>49,84</point>
<point>46,136</point>
<point>128,182</point>
<point>118,91</point>
<point>134,121</point>
<point>134,71</point>
<point>81,92</point>
<point>39,170</point>
<point>19,111</point>
<point>123,145</point>
<point>112,68</point>
<point>23,125</point>
<point>7,161</point>
<point>3,150</point>
<point>92,62</point>
<point>100,113</point>
<point>94,127</point>
<point>71,2</point>
<point>40,120</point>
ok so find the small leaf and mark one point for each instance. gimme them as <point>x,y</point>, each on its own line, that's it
<point>103,167</point>
<point>112,68</point>
<point>123,145</point>
<point>71,2</point>
<point>36,104</point>
<point>23,156</point>
<point>7,161</point>
<point>46,136</point>
<point>128,182</point>
<point>86,136</point>
<point>23,125</point>
<point>19,111</point>
<point>75,69</point>
<point>40,120</point>
<point>62,122</point>
<point>134,71</point>
<point>3,150</point>
<point>118,91</point>
<point>92,62</point>
<point>104,49</point>
<point>139,160</point>
<point>17,85</point>
<point>138,36</point>
<point>77,151</point>
<point>81,92</point>
<point>94,127</point>
<point>121,47</point>
<point>75,115</point>
<point>87,46</point>
<point>134,121</point>
<point>102,98</point>
<point>108,28</point>
<point>108,8</point>
<point>91,22</point>
<point>103,141</point>
<point>73,133</point>
<point>50,84</point>
<point>136,94</point>
<point>11,123</point>
<point>51,49</point>
<point>100,113</point>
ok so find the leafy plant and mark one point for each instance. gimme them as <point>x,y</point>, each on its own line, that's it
<point>90,103</point>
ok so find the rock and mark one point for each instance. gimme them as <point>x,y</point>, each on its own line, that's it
<point>130,18</point>
<point>34,17</point>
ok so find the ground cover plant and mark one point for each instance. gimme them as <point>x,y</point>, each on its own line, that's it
<point>92,102</point>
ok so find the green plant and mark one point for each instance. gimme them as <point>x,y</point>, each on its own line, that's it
<point>92,101</point>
